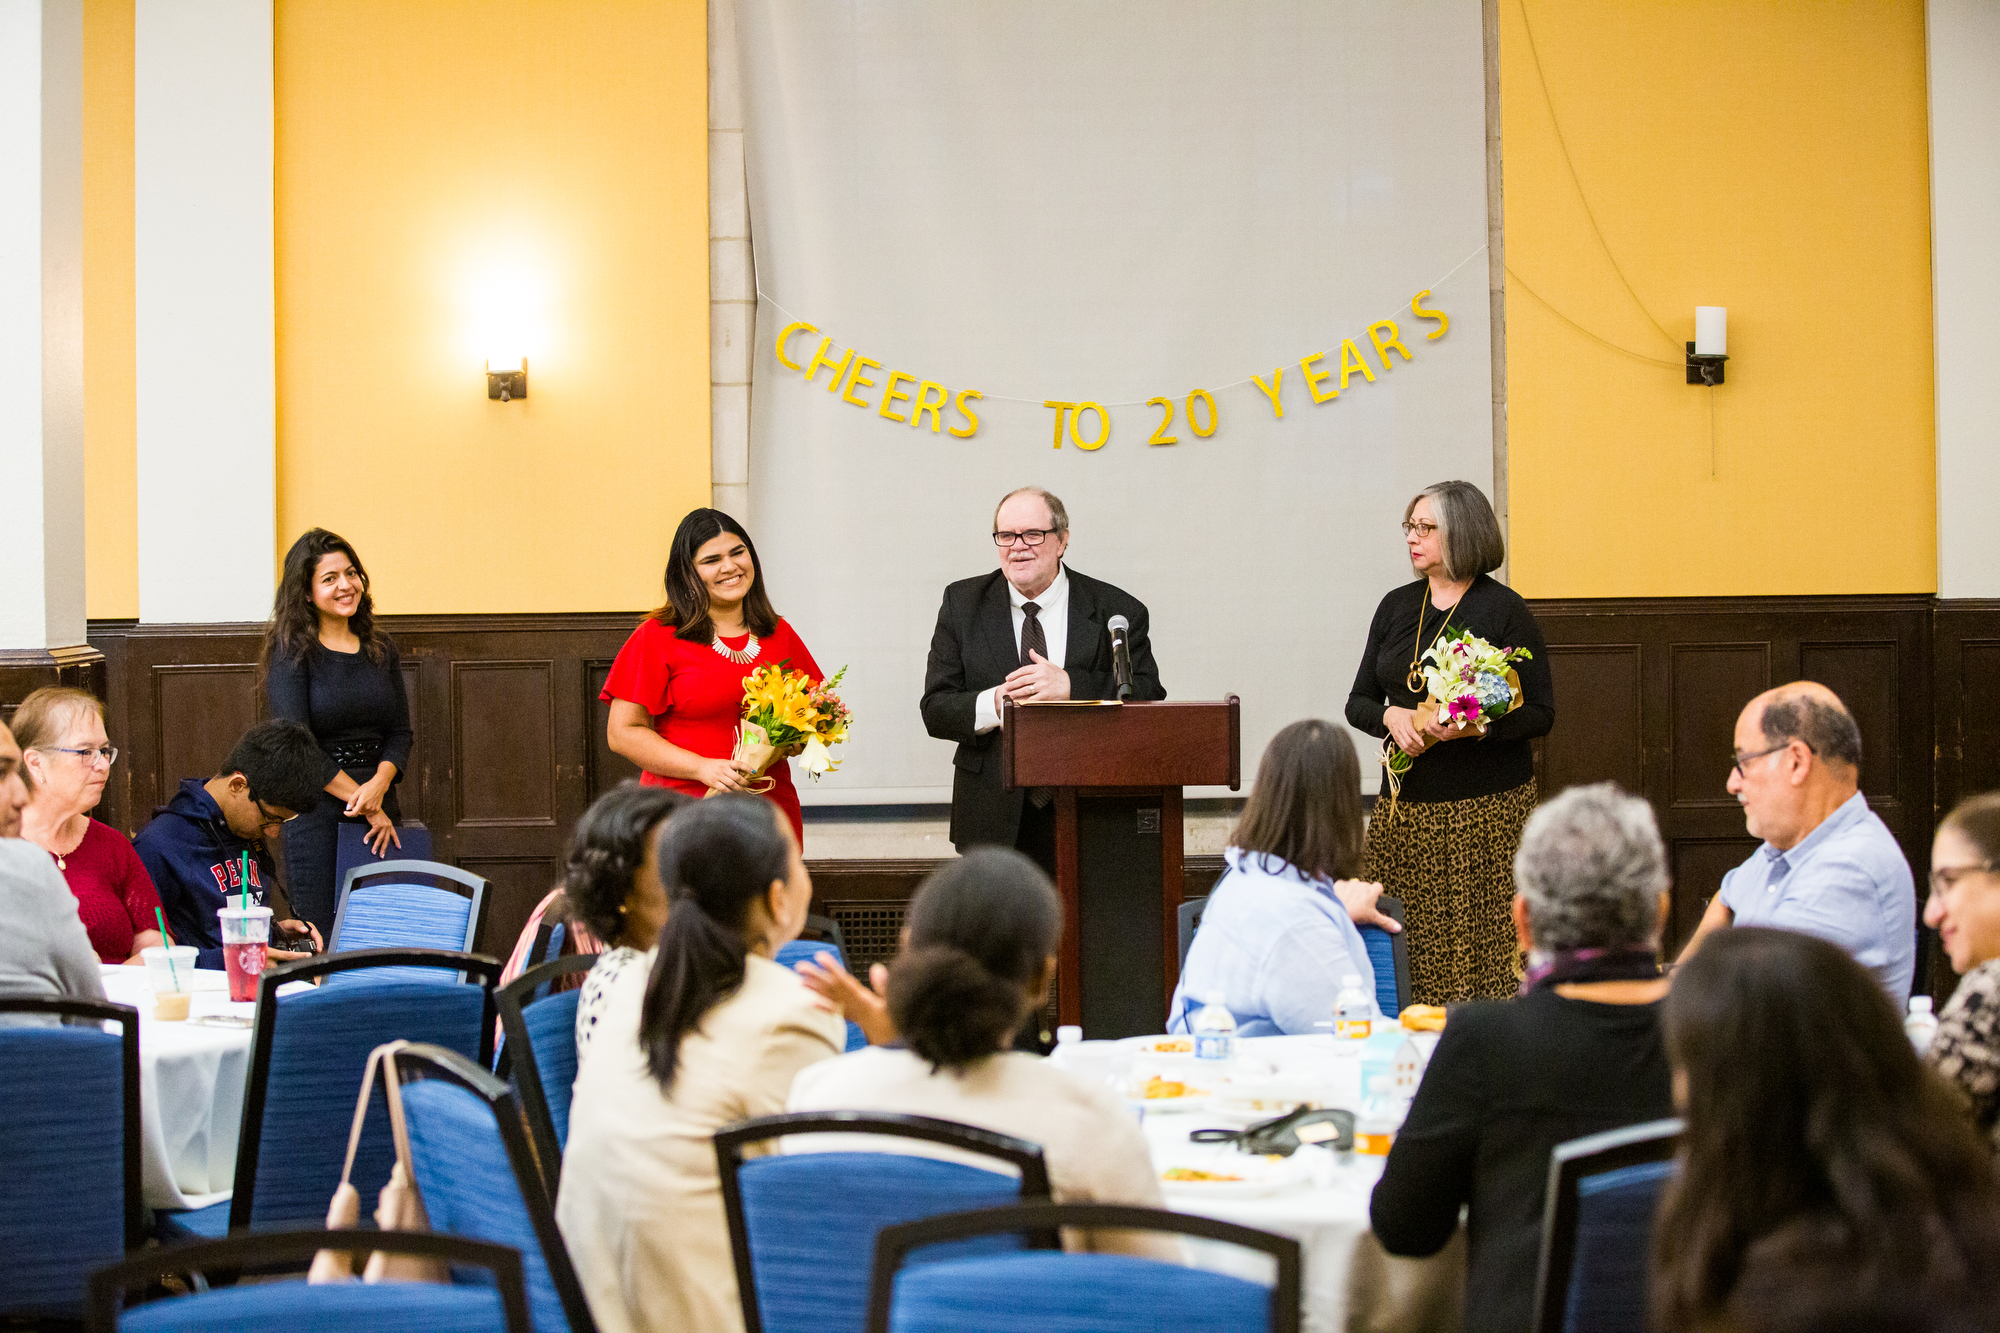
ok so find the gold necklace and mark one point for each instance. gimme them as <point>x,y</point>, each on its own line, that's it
<point>1415,680</point>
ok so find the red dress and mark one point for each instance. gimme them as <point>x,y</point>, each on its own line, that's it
<point>695,697</point>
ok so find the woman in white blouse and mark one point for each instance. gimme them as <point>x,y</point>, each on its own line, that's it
<point>611,887</point>
<point>712,1032</point>
<point>978,954</point>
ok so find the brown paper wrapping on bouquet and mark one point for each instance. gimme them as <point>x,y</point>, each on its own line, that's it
<point>755,752</point>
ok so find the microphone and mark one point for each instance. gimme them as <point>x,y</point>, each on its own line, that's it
<point>1121,655</point>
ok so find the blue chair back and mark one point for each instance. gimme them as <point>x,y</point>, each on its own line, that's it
<point>350,849</point>
<point>804,951</point>
<point>1597,1229</point>
<point>1389,954</point>
<point>484,1305</point>
<point>477,1172</point>
<point>409,905</point>
<point>1077,1293</point>
<point>802,1226</point>
<point>307,1054</point>
<point>540,1024</point>
<point>69,1115</point>
<point>1189,915</point>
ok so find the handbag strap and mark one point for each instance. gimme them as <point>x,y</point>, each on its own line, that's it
<point>381,1055</point>
<point>399,1130</point>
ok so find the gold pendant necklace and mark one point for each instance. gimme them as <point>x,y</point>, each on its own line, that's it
<point>1415,680</point>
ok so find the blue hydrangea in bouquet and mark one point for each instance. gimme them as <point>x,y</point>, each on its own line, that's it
<point>1467,683</point>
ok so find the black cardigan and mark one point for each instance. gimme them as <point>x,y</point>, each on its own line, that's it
<point>1510,1080</point>
<point>345,700</point>
<point>1462,769</point>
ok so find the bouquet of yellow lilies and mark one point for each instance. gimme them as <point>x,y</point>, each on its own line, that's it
<point>785,711</point>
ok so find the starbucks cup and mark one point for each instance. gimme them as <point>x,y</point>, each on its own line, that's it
<point>246,936</point>
<point>170,976</point>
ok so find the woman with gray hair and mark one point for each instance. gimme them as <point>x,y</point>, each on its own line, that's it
<point>1577,1052</point>
<point>1446,844</point>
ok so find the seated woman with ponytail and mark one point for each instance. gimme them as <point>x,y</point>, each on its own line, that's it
<point>711,1032</point>
<point>976,962</point>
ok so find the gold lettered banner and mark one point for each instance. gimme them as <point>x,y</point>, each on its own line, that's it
<point>931,401</point>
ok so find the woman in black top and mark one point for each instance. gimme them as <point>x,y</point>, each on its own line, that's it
<point>1447,847</point>
<point>1827,1179</point>
<point>1579,1053</point>
<point>327,666</point>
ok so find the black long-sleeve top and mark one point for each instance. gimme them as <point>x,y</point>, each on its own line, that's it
<point>1509,1081</point>
<point>1461,769</point>
<point>346,701</point>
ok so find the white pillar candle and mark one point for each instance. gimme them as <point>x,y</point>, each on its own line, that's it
<point>1711,330</point>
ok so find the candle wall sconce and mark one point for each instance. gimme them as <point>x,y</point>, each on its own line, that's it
<point>509,380</point>
<point>1710,347</point>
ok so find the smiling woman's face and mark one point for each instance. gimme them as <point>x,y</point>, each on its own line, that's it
<point>337,585</point>
<point>726,571</point>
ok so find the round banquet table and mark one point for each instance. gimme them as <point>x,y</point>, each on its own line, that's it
<point>190,1089</point>
<point>1350,1283</point>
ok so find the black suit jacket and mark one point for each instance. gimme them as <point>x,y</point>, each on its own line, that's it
<point>974,649</point>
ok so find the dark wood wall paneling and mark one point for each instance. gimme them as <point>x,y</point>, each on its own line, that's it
<point>1648,691</point>
<point>510,736</point>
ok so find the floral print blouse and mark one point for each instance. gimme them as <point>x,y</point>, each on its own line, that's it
<point>1967,1048</point>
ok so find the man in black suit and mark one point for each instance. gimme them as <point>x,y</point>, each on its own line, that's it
<point>1031,631</point>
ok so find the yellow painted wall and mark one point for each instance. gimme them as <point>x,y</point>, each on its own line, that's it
<point>456,175</point>
<point>1769,157</point>
<point>110,402</point>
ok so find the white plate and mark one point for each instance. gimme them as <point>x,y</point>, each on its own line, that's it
<point>1261,1176</point>
<point>1151,1047</point>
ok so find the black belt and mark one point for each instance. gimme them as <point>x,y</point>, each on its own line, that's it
<point>354,754</point>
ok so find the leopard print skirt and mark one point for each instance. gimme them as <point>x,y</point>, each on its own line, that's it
<point>1452,864</point>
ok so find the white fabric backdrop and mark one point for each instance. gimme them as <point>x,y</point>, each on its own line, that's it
<point>1110,202</point>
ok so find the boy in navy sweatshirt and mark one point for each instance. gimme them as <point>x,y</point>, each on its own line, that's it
<point>194,849</point>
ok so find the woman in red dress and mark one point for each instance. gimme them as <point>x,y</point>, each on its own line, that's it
<point>676,690</point>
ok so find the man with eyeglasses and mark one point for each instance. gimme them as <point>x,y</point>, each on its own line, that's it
<point>1829,866</point>
<point>195,849</point>
<point>1034,631</point>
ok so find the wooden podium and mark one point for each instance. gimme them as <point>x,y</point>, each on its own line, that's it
<point>1117,770</point>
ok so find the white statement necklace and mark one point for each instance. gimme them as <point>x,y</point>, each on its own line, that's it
<point>742,657</point>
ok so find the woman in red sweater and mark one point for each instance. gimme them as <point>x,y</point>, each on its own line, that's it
<point>676,689</point>
<point>66,760</point>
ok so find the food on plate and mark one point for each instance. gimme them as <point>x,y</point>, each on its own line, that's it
<point>1422,1018</point>
<point>1171,1045</point>
<point>1187,1174</point>
<point>1157,1088</point>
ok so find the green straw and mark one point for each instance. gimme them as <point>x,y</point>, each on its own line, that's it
<point>244,902</point>
<point>171,972</point>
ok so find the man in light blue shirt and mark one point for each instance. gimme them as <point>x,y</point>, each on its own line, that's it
<point>1829,866</point>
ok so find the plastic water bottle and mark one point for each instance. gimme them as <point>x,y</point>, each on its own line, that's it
<point>1353,1014</point>
<point>1214,1032</point>
<point>1921,1025</point>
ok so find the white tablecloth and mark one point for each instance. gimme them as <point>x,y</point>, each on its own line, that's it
<point>1350,1283</point>
<point>190,1090</point>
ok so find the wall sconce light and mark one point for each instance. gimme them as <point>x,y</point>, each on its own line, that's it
<point>507,381</point>
<point>1710,347</point>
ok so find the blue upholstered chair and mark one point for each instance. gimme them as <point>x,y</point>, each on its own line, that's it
<point>69,1115</point>
<point>500,1302</point>
<point>477,1173</point>
<point>1597,1228</point>
<point>540,1026</point>
<point>1079,1293</point>
<point>802,1225</point>
<point>307,1051</point>
<point>1390,955</point>
<point>822,935</point>
<point>1189,914</point>
<point>350,848</point>
<point>408,905</point>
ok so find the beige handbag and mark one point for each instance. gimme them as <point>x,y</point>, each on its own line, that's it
<point>400,1207</point>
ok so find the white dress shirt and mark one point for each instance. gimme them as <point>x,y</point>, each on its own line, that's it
<point>1052,609</point>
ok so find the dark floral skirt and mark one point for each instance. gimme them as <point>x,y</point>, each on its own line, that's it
<point>1452,864</point>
